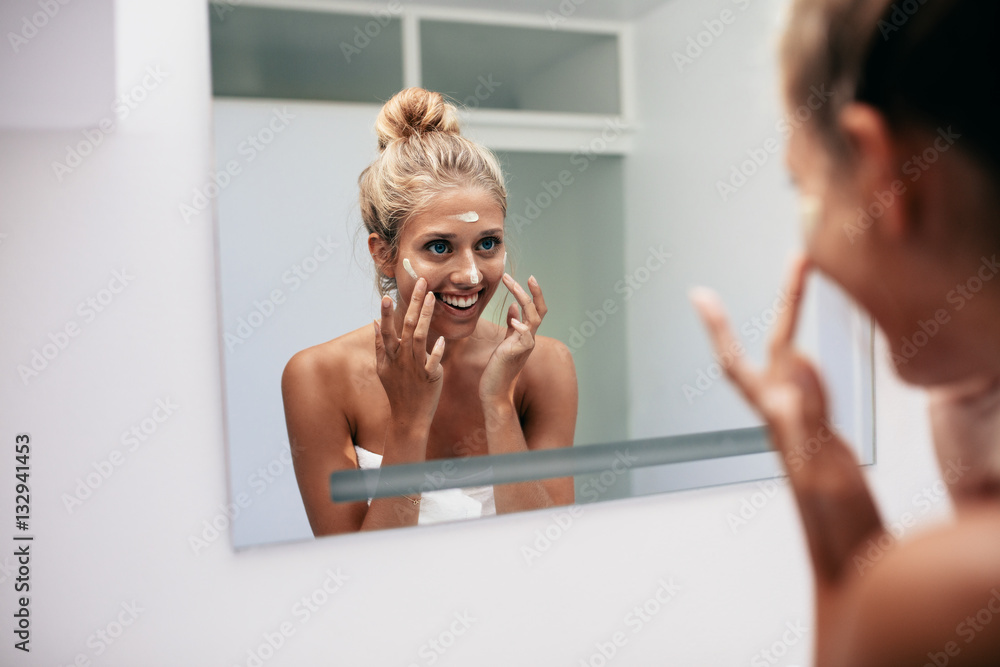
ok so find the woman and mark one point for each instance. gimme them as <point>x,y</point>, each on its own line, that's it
<point>431,379</point>
<point>900,171</point>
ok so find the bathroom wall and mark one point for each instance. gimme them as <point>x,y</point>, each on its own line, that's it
<point>132,562</point>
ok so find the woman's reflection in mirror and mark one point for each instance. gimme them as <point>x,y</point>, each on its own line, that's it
<point>431,378</point>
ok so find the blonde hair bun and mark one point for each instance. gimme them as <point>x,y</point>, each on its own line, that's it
<point>413,112</point>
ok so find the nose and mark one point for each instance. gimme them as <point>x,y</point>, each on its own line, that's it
<point>467,271</point>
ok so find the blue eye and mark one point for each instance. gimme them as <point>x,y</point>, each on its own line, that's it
<point>490,244</point>
<point>438,247</point>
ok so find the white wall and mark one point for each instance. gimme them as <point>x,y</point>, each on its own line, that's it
<point>158,339</point>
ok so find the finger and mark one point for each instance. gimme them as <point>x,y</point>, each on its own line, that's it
<point>536,296</point>
<point>746,378</point>
<point>413,314</point>
<point>784,330</point>
<point>511,315</point>
<point>379,347</point>
<point>434,359</point>
<point>528,311</point>
<point>387,329</point>
<point>423,326</point>
<point>527,339</point>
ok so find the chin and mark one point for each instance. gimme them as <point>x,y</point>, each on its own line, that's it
<point>927,369</point>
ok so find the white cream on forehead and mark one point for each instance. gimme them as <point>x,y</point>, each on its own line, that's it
<point>471,216</point>
<point>409,268</point>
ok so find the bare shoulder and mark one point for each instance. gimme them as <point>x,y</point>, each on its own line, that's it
<point>934,597</point>
<point>550,360</point>
<point>549,397</point>
<point>320,369</point>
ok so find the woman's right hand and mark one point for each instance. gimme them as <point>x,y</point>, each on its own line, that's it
<point>411,377</point>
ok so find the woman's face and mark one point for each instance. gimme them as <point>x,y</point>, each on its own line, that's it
<point>893,277</point>
<point>457,246</point>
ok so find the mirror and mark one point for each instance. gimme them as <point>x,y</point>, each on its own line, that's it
<point>643,147</point>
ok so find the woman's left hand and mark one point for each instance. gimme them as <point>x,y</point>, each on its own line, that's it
<point>504,367</point>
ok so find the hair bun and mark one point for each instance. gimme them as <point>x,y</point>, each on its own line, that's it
<point>412,112</point>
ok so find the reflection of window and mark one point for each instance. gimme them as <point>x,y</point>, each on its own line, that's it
<point>291,54</point>
<point>506,67</point>
<point>319,55</point>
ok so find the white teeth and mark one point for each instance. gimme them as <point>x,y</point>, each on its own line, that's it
<point>459,301</point>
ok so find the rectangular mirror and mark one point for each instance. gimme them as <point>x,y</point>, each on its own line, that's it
<point>632,175</point>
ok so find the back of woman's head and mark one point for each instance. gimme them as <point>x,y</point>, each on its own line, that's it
<point>924,64</point>
<point>421,155</point>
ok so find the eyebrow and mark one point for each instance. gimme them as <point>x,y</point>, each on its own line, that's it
<point>450,237</point>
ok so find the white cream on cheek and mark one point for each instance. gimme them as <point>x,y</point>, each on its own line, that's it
<point>809,211</point>
<point>409,268</point>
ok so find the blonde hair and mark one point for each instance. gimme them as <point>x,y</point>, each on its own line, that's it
<point>421,154</point>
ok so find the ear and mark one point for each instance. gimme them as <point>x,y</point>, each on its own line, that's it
<point>380,252</point>
<point>875,171</point>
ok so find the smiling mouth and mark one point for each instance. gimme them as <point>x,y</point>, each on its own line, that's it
<point>459,302</point>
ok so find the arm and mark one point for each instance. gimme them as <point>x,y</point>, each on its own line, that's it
<point>549,421</point>
<point>877,604</point>
<point>315,397</point>
<point>837,510</point>
<point>321,443</point>
<point>550,400</point>
<point>922,603</point>
<point>320,440</point>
